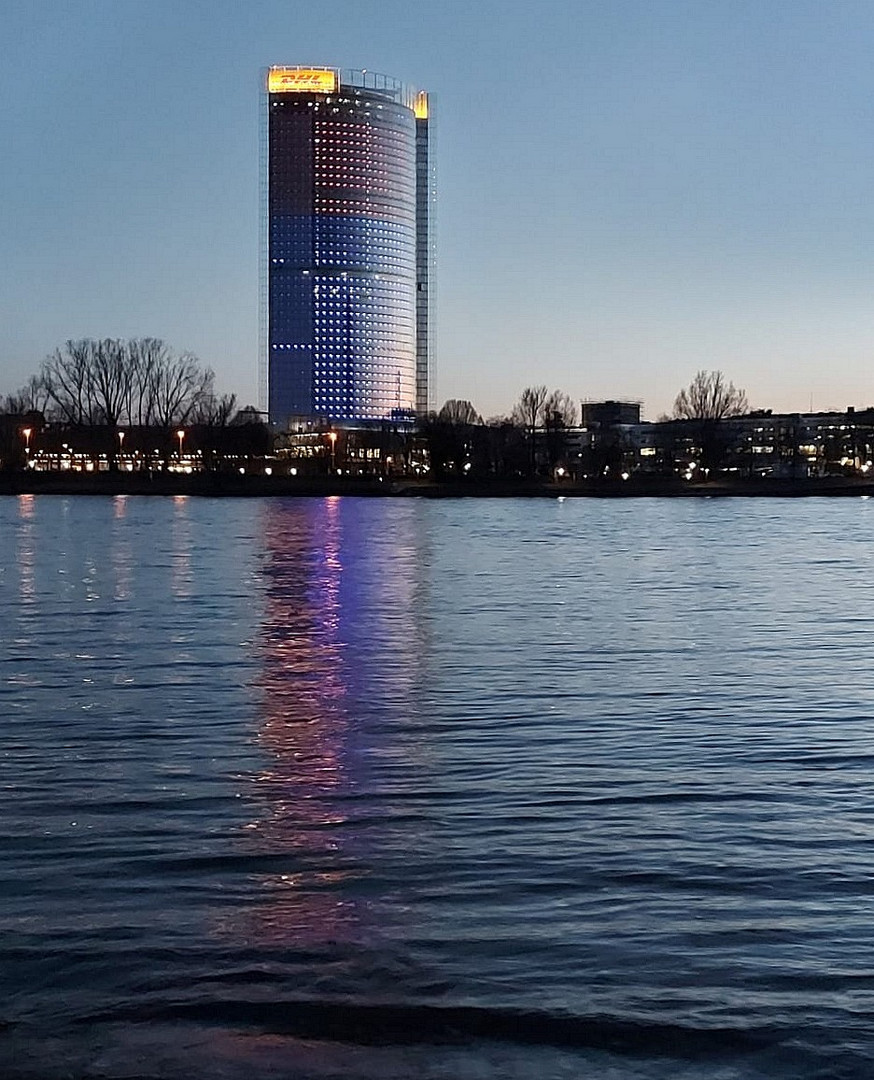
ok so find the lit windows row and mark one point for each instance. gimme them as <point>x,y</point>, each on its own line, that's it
<point>366,152</point>
<point>358,180</point>
<point>381,299</point>
<point>341,241</point>
<point>368,203</point>
<point>383,263</point>
<point>338,313</point>
<point>338,233</point>
<point>331,239</point>
<point>324,320</point>
<point>339,172</point>
<point>377,152</point>
<point>389,141</point>
<point>359,129</point>
<point>335,346</point>
<point>363,382</point>
<point>363,321</point>
<point>336,168</point>
<point>319,262</point>
<point>359,318</point>
<point>380,151</point>
<point>330,242</point>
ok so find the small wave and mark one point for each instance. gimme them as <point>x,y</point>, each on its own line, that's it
<point>404,1024</point>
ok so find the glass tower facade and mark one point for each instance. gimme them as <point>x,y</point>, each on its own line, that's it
<point>346,292</point>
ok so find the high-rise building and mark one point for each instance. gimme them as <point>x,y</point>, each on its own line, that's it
<point>346,247</point>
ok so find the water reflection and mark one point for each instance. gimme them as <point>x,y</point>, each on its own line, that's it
<point>120,552</point>
<point>339,645</point>
<point>305,692</point>
<point>25,549</point>
<point>182,540</point>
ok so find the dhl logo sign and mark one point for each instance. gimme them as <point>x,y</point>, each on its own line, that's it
<point>298,80</point>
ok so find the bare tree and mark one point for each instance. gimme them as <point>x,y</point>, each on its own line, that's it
<point>31,398</point>
<point>710,397</point>
<point>176,386</point>
<point>216,412</point>
<point>528,409</point>
<point>140,382</point>
<point>559,413</point>
<point>450,437</point>
<point>456,411</point>
<point>559,410</point>
<point>67,377</point>
<point>608,451</point>
<point>708,403</point>
<point>111,378</point>
<point>528,413</point>
<point>145,356</point>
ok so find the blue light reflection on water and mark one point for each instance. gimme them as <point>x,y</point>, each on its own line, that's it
<point>464,789</point>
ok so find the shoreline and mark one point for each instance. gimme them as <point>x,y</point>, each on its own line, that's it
<point>217,485</point>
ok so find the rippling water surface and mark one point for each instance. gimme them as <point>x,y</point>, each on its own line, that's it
<point>382,789</point>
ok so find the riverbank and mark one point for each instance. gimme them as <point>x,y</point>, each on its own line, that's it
<point>219,485</point>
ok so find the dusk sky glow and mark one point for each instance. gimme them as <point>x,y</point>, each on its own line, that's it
<point>628,190</point>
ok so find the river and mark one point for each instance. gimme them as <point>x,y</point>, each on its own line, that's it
<point>374,788</point>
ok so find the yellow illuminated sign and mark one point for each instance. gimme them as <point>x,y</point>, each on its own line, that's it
<point>421,106</point>
<point>301,80</point>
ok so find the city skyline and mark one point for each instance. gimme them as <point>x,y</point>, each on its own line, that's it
<point>629,192</point>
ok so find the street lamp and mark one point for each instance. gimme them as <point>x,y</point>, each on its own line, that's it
<point>180,435</point>
<point>332,435</point>
<point>120,441</point>
<point>27,432</point>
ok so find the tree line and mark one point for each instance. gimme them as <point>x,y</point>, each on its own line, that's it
<point>92,389</point>
<point>100,387</point>
<point>109,382</point>
<point>533,440</point>
<point>530,441</point>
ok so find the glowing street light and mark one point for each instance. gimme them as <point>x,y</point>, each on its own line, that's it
<point>120,441</point>
<point>27,432</point>
<point>180,435</point>
<point>332,435</point>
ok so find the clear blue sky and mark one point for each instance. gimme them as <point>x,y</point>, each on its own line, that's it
<point>629,190</point>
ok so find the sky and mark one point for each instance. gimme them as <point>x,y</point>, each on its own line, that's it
<point>629,191</point>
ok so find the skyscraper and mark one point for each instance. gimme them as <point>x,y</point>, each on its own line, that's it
<point>346,248</point>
